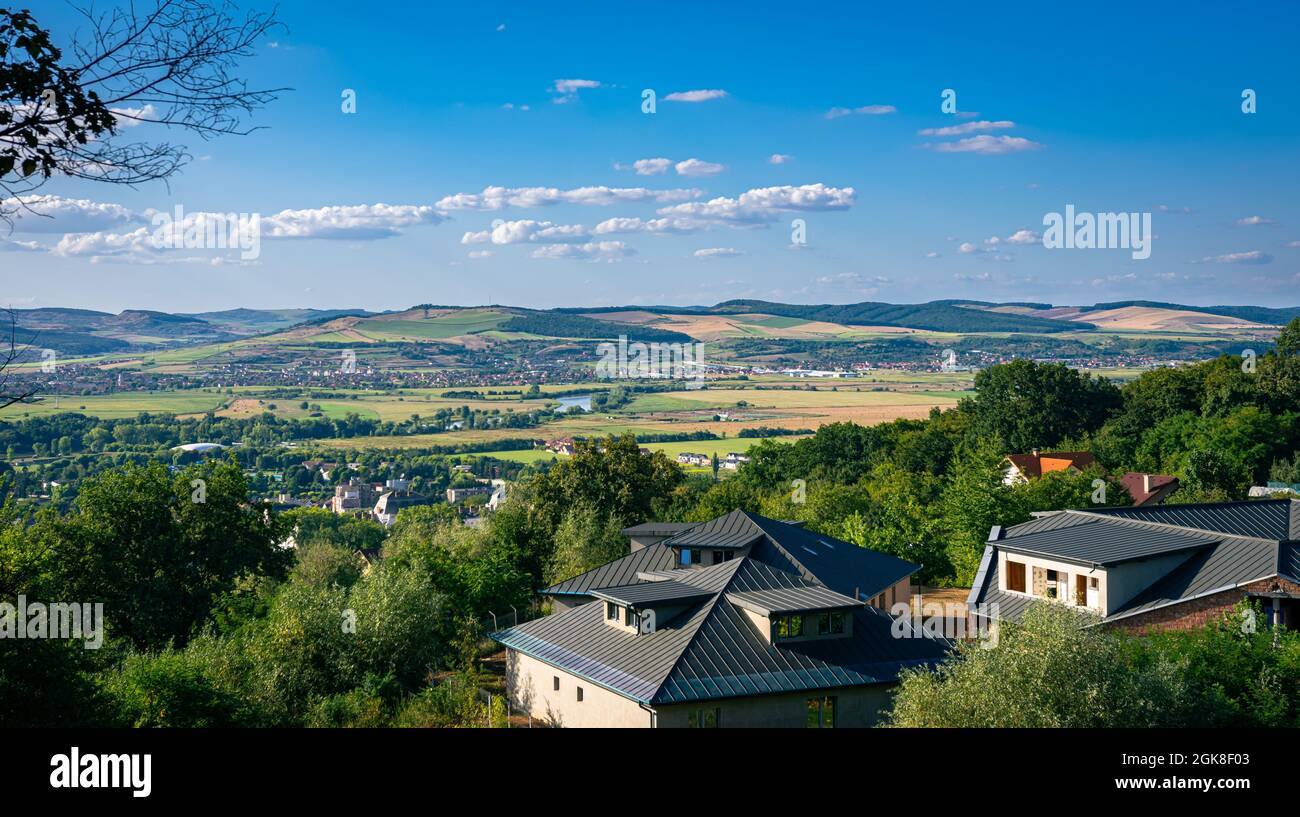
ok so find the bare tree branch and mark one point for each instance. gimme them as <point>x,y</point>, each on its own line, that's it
<point>171,64</point>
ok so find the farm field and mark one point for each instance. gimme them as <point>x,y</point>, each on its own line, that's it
<point>738,445</point>
<point>124,404</point>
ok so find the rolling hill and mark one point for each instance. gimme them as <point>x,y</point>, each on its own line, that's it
<point>446,329</point>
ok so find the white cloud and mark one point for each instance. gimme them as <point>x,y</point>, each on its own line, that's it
<point>138,242</point>
<point>622,224</point>
<point>968,127</point>
<point>22,246</point>
<point>651,167</point>
<point>699,167</point>
<point>566,90</point>
<point>865,110</point>
<point>358,222</point>
<point>1249,257</point>
<point>591,251</point>
<point>763,205</point>
<point>933,254</point>
<point>779,158</point>
<point>695,96</point>
<point>480,254</point>
<point>1293,245</point>
<point>985,144</point>
<point>498,198</point>
<point>130,117</point>
<point>527,231</point>
<point>1024,237</point>
<point>717,252</point>
<point>1177,211</point>
<point>1255,221</point>
<point>67,215</point>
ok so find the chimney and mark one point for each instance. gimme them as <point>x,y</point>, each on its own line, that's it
<point>1035,453</point>
<point>1146,483</point>
<point>995,533</point>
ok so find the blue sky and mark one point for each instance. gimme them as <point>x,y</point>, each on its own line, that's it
<point>1109,107</point>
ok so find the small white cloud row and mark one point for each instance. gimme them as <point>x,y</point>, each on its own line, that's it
<point>659,166</point>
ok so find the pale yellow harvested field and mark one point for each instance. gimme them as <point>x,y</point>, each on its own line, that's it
<point>803,398</point>
<point>1153,319</point>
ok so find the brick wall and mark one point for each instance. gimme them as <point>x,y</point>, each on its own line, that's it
<point>1200,612</point>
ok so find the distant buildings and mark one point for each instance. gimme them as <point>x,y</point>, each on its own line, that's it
<point>388,505</point>
<point>352,496</point>
<point>687,458</point>
<point>455,495</point>
<point>1020,468</point>
<point>733,461</point>
<point>1148,489</point>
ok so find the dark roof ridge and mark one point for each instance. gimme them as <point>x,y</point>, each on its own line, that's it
<point>1167,525</point>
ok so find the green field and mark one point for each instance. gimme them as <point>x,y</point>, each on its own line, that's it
<point>125,404</point>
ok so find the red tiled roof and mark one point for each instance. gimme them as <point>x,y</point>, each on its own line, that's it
<point>1161,486</point>
<point>1045,462</point>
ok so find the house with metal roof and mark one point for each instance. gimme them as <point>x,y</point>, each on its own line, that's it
<point>738,621</point>
<point>1142,567</point>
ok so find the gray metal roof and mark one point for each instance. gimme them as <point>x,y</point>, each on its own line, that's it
<point>1261,519</point>
<point>1220,555</point>
<point>648,593</point>
<point>658,528</point>
<point>711,650</point>
<point>733,530</point>
<point>842,566</point>
<point>1232,563</point>
<point>616,573</point>
<point>791,599</point>
<point>1288,560</point>
<point>1104,541</point>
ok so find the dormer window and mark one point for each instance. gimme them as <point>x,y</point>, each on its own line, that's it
<point>789,626</point>
<point>688,556</point>
<point>611,611</point>
<point>720,556</point>
<point>830,623</point>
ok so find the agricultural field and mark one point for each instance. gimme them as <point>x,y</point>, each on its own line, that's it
<point>737,445</point>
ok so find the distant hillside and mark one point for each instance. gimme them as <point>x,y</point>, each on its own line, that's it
<point>257,321</point>
<point>935,317</point>
<point>1279,316</point>
<point>559,324</point>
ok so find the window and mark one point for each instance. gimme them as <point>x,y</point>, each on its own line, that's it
<point>556,686</point>
<point>611,611</point>
<point>688,556</point>
<point>821,712</point>
<point>789,626</point>
<point>830,624</point>
<point>1051,584</point>
<point>579,694</point>
<point>704,718</point>
<point>1016,576</point>
<point>629,617</point>
<point>720,556</point>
